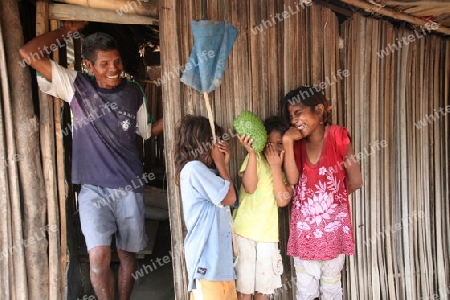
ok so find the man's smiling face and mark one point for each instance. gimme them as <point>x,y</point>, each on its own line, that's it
<point>106,68</point>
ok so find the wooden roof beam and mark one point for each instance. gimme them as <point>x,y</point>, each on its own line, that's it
<point>368,7</point>
<point>147,8</point>
<point>82,13</point>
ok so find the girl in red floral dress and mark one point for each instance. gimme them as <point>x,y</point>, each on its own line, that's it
<point>320,161</point>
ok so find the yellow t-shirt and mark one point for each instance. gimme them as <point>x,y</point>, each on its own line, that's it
<point>256,218</point>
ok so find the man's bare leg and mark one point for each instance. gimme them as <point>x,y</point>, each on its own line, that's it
<point>126,269</point>
<point>102,278</point>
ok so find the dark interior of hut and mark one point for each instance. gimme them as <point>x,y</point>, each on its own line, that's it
<point>139,48</point>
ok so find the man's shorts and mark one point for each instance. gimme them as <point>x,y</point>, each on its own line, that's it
<point>258,267</point>
<point>104,212</point>
<point>214,290</point>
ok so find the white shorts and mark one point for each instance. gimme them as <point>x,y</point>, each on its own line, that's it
<point>319,277</point>
<point>258,267</point>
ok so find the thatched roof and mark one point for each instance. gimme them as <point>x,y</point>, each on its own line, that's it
<point>437,11</point>
<point>410,11</point>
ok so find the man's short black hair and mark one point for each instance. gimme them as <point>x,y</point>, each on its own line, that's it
<point>95,42</point>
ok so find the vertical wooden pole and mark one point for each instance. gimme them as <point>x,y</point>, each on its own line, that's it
<point>30,170</point>
<point>48,164</point>
<point>60,178</point>
<point>172,114</point>
<point>5,208</point>
<point>13,272</point>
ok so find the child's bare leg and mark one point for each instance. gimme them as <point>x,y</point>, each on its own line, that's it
<point>259,296</point>
<point>244,296</point>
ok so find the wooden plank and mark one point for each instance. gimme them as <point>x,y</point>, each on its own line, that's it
<point>60,180</point>
<point>388,164</point>
<point>316,44</point>
<point>256,16</point>
<point>373,160</point>
<point>361,108</point>
<point>48,164</point>
<point>7,278</point>
<point>272,64</point>
<point>5,206</point>
<point>365,116</point>
<point>169,43</point>
<point>446,166</point>
<point>404,183</point>
<point>423,158</point>
<point>352,265</point>
<point>302,44</point>
<point>81,13</point>
<point>147,8</point>
<point>440,273</point>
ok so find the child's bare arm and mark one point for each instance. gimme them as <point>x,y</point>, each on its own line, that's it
<point>354,178</point>
<point>250,177</point>
<point>282,192</point>
<point>292,173</point>
<point>220,155</point>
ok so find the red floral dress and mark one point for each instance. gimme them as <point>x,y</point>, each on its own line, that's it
<point>321,227</point>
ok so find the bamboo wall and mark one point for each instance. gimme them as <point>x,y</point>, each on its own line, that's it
<point>401,216</point>
<point>261,69</point>
<point>405,182</point>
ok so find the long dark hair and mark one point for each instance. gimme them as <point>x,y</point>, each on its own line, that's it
<point>307,96</point>
<point>193,141</point>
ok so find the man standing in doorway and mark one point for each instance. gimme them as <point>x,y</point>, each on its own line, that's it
<point>105,160</point>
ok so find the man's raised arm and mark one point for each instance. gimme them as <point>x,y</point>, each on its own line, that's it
<point>35,52</point>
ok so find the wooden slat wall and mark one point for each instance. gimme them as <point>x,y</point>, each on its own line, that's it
<point>405,183</point>
<point>261,69</point>
<point>401,215</point>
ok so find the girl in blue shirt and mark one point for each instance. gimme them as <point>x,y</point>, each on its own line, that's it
<point>206,194</point>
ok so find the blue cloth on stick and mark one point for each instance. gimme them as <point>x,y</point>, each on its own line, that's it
<point>212,45</point>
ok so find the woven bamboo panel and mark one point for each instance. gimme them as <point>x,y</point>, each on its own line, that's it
<point>401,214</point>
<point>405,182</point>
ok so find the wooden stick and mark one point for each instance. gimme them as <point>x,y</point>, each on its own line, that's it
<point>6,269</point>
<point>446,166</point>
<point>210,117</point>
<point>394,14</point>
<point>60,237</point>
<point>388,37</point>
<point>60,174</point>
<point>439,102</point>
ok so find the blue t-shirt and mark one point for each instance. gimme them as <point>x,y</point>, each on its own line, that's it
<point>105,123</point>
<point>208,248</point>
<point>104,149</point>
